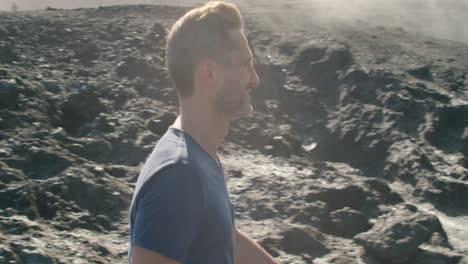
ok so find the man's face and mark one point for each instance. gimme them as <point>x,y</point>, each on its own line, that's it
<point>238,80</point>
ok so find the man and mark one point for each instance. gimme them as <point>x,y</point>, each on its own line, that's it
<point>181,211</point>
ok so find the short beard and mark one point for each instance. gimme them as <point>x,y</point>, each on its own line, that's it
<point>226,106</point>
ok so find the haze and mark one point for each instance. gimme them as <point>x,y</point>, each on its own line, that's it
<point>439,18</point>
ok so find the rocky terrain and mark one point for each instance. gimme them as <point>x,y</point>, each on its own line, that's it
<point>357,151</point>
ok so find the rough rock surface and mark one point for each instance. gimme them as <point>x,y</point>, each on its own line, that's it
<point>357,151</point>
<point>398,236</point>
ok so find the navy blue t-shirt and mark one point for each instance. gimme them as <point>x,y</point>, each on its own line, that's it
<point>181,207</point>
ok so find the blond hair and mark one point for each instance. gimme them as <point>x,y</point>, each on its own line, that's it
<point>200,33</point>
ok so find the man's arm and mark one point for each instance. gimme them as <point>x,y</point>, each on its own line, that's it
<point>247,251</point>
<point>145,256</point>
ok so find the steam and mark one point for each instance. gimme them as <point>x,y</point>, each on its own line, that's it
<point>439,18</point>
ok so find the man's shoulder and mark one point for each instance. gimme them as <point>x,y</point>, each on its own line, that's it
<point>170,150</point>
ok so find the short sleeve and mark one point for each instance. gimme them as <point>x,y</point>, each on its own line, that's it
<point>169,211</point>
<point>233,213</point>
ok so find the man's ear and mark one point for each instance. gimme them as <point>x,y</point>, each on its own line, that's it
<point>206,73</point>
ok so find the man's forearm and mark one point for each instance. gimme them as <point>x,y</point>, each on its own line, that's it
<point>247,251</point>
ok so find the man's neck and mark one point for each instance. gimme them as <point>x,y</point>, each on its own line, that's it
<point>207,129</point>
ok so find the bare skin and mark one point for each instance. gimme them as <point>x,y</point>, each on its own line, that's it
<point>246,251</point>
<point>145,256</point>
<point>221,95</point>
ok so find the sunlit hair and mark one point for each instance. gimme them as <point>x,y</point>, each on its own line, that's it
<point>200,33</point>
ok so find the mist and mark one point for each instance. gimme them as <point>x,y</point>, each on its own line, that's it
<point>439,18</point>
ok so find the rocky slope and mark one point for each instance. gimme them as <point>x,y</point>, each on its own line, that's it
<point>357,151</point>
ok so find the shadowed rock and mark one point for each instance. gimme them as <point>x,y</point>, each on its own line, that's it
<point>349,222</point>
<point>319,65</point>
<point>423,73</point>
<point>41,164</point>
<point>8,93</point>
<point>338,197</point>
<point>396,237</point>
<point>314,214</point>
<point>446,129</point>
<point>7,53</point>
<point>79,108</point>
<point>297,240</point>
<point>446,194</point>
<point>132,67</point>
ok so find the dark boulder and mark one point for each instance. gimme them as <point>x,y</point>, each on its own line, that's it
<point>126,152</point>
<point>147,138</point>
<point>133,67</point>
<point>87,52</point>
<point>262,211</point>
<point>8,174</point>
<point>436,256</point>
<point>270,244</point>
<point>339,196</point>
<point>349,222</point>
<point>51,86</point>
<point>4,74</point>
<point>80,107</point>
<point>159,125</point>
<point>283,145</point>
<point>423,73</point>
<point>30,254</point>
<point>7,54</point>
<point>97,151</point>
<point>446,128</point>
<point>299,239</point>
<point>43,164</point>
<point>113,32</point>
<point>452,79</point>
<point>272,79</point>
<point>405,161</point>
<point>120,171</point>
<point>314,214</point>
<point>395,237</point>
<point>354,135</point>
<point>445,193</point>
<point>156,33</point>
<point>97,198</point>
<point>320,65</point>
<point>8,94</point>
<point>382,193</point>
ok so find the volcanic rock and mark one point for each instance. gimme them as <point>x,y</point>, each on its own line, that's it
<point>349,222</point>
<point>41,164</point>
<point>319,66</point>
<point>396,237</point>
<point>357,131</point>
<point>314,214</point>
<point>133,67</point>
<point>339,197</point>
<point>7,53</point>
<point>80,107</point>
<point>423,73</point>
<point>8,93</point>
<point>445,193</point>
<point>51,86</point>
<point>297,240</point>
